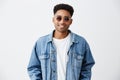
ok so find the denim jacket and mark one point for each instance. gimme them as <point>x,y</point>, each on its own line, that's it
<point>43,64</point>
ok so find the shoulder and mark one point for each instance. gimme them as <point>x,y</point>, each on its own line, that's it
<point>79,38</point>
<point>81,41</point>
<point>43,39</point>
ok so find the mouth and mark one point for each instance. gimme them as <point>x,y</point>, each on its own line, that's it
<point>61,26</point>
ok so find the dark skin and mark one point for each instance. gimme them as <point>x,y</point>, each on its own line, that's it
<point>62,26</point>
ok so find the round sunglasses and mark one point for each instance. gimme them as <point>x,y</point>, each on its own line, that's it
<point>65,18</point>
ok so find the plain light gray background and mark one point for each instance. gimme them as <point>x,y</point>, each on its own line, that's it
<point>22,22</point>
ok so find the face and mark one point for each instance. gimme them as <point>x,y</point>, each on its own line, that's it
<point>62,20</point>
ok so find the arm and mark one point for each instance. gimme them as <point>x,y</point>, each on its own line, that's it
<point>34,67</point>
<point>87,64</point>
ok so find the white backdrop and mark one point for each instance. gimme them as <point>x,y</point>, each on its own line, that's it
<point>22,22</point>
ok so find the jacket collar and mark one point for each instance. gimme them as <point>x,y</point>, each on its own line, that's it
<point>73,37</point>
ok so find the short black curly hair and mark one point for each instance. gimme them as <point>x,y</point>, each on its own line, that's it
<point>63,6</point>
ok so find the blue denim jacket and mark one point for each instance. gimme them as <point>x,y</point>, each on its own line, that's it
<point>43,64</point>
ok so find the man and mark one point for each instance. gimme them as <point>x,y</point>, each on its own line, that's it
<point>61,55</point>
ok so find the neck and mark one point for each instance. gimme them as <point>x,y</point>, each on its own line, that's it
<point>60,35</point>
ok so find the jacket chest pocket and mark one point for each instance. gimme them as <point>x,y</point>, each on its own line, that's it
<point>44,60</point>
<point>77,60</point>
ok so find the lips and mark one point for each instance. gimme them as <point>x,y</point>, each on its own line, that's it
<point>61,26</point>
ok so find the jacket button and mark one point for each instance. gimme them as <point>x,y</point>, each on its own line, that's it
<point>53,60</point>
<point>54,71</point>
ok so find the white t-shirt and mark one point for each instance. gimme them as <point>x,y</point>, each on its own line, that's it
<point>62,46</point>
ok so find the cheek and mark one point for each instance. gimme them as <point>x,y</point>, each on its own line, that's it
<point>54,21</point>
<point>68,24</point>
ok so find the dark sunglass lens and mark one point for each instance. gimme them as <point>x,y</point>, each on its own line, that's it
<point>66,18</point>
<point>59,18</point>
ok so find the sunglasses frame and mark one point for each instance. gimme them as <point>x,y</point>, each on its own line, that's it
<point>65,18</point>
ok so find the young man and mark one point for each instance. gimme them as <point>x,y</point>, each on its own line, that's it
<point>61,55</point>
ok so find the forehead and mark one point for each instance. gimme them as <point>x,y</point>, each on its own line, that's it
<point>63,13</point>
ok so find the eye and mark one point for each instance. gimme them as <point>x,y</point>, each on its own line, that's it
<point>66,19</point>
<point>58,18</point>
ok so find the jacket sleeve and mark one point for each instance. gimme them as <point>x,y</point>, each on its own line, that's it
<point>34,66</point>
<point>87,64</point>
